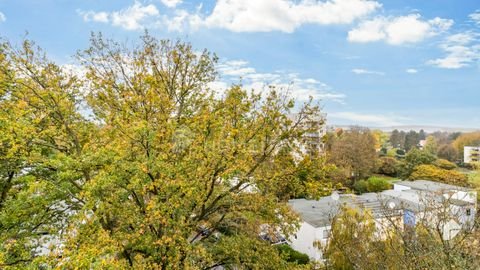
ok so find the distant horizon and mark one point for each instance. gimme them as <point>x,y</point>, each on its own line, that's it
<point>430,128</point>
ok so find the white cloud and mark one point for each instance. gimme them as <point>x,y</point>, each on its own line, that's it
<point>2,17</point>
<point>461,50</point>
<point>281,15</point>
<point>300,88</point>
<point>367,119</point>
<point>398,30</point>
<point>361,71</point>
<point>411,70</point>
<point>91,16</point>
<point>171,3</point>
<point>475,16</point>
<point>130,18</point>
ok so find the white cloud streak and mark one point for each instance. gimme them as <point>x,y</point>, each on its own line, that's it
<point>171,3</point>
<point>398,30</point>
<point>461,50</point>
<point>475,16</point>
<point>411,70</point>
<point>300,88</point>
<point>361,71</point>
<point>2,17</point>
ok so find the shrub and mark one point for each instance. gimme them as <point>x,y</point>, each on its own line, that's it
<point>361,186</point>
<point>387,166</point>
<point>377,184</point>
<point>372,184</point>
<point>292,255</point>
<point>445,164</point>
<point>431,172</point>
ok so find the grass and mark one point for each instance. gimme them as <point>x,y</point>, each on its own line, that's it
<point>474,179</point>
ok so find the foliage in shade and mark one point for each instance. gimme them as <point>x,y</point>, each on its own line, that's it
<point>293,255</point>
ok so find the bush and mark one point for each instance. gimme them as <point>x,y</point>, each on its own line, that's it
<point>377,184</point>
<point>292,255</point>
<point>445,164</point>
<point>372,184</point>
<point>361,186</point>
<point>431,172</point>
<point>414,158</point>
<point>387,166</point>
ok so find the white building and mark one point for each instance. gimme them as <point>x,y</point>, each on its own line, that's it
<point>471,154</point>
<point>312,140</point>
<point>410,201</point>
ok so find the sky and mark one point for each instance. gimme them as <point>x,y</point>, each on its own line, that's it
<point>374,63</point>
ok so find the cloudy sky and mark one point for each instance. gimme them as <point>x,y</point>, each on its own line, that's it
<point>370,62</point>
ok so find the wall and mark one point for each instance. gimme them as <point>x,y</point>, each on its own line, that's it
<point>305,238</point>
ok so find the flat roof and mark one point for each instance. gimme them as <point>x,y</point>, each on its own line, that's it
<point>428,185</point>
<point>319,213</point>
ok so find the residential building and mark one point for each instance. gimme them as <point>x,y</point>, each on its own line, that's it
<point>471,154</point>
<point>408,202</point>
<point>312,141</point>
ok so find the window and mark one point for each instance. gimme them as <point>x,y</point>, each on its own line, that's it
<point>326,233</point>
<point>469,211</point>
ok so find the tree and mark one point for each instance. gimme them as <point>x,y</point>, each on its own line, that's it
<point>355,151</point>
<point>397,139</point>
<point>352,239</point>
<point>422,135</point>
<point>380,138</point>
<point>431,145</point>
<point>448,152</point>
<point>310,177</point>
<point>165,174</point>
<point>360,242</point>
<point>387,166</point>
<point>466,139</point>
<point>411,140</point>
<point>414,158</point>
<point>43,155</point>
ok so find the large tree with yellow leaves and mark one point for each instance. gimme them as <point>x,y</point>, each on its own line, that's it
<point>137,163</point>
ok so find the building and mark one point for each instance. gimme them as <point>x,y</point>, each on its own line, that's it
<point>312,140</point>
<point>471,154</point>
<point>408,202</point>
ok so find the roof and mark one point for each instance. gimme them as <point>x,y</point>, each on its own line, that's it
<point>319,213</point>
<point>427,185</point>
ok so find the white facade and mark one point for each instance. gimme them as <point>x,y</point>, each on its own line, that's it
<point>471,154</point>
<point>411,201</point>
<point>311,142</point>
<point>310,240</point>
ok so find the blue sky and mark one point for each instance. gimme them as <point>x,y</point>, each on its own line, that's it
<point>374,63</point>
